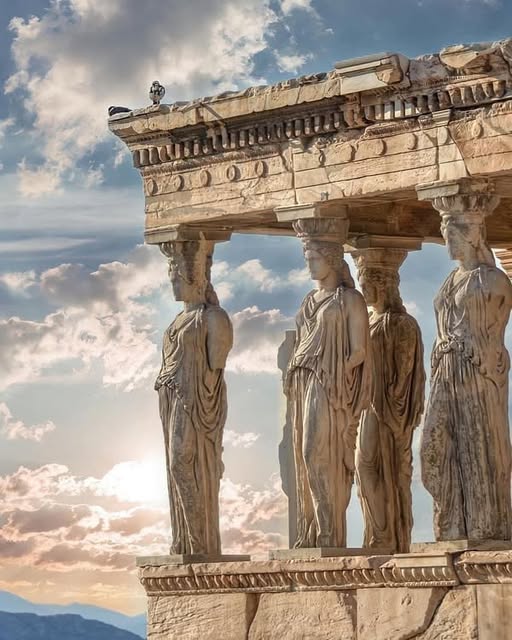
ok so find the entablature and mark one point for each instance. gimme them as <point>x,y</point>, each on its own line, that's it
<point>364,134</point>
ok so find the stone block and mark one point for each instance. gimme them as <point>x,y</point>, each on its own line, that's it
<point>494,611</point>
<point>456,617</point>
<point>396,613</point>
<point>209,617</point>
<point>314,615</point>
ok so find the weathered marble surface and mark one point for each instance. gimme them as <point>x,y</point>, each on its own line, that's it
<point>396,614</point>
<point>457,618</point>
<point>311,615</point>
<point>192,398</point>
<point>381,598</point>
<point>364,134</point>
<point>207,617</point>
<point>286,455</point>
<point>465,450</point>
<point>328,385</point>
<point>384,452</point>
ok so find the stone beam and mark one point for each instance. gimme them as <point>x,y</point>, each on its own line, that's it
<point>372,241</point>
<point>183,233</point>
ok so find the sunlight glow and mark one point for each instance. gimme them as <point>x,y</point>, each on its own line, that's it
<point>140,481</point>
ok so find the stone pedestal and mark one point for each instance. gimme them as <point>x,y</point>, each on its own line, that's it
<point>426,596</point>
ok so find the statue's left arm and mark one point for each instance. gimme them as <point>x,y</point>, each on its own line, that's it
<point>408,384</point>
<point>358,329</point>
<point>499,283</point>
<point>219,337</point>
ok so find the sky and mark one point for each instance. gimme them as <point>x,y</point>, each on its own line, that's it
<point>83,303</point>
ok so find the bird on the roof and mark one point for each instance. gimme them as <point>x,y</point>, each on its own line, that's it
<point>156,92</point>
<point>112,111</point>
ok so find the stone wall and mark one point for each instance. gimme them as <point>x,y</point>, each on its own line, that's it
<point>448,596</point>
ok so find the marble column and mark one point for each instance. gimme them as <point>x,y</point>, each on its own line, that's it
<point>192,397</point>
<point>466,449</point>
<point>328,382</point>
<point>384,451</point>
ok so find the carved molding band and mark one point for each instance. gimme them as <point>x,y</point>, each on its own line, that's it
<point>444,570</point>
<point>492,567</point>
<point>300,581</point>
<point>339,117</point>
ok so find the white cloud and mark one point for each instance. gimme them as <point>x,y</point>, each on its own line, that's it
<point>291,63</point>
<point>5,124</point>
<point>13,429</point>
<point>18,282</point>
<point>40,245</point>
<point>79,57</point>
<point>254,275</point>
<point>71,217</point>
<point>287,6</point>
<point>244,512</point>
<point>55,520</point>
<point>94,177</point>
<point>242,440</point>
<point>412,307</point>
<point>255,272</point>
<point>101,318</point>
<point>37,181</point>
<point>258,335</point>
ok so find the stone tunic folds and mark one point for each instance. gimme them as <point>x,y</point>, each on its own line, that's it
<point>193,410</point>
<point>384,455</point>
<point>327,397</point>
<point>465,451</point>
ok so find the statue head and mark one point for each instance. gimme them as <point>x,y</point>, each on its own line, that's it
<point>463,222</point>
<point>322,241</point>
<point>466,238</point>
<point>325,258</point>
<point>187,269</point>
<point>378,277</point>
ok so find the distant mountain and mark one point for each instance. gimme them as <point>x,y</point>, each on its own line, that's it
<point>11,603</point>
<point>28,626</point>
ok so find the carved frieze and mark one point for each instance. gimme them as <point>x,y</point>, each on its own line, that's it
<point>262,577</point>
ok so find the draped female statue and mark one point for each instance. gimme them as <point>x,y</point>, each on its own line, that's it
<point>328,384</point>
<point>465,449</point>
<point>192,398</point>
<point>384,452</point>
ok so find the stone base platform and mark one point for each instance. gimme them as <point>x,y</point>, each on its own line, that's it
<point>315,553</point>
<point>425,596</point>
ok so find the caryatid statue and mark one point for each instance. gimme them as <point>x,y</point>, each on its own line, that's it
<point>328,384</point>
<point>192,397</point>
<point>384,452</point>
<point>465,449</point>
